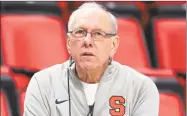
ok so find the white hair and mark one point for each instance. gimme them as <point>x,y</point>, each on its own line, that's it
<point>93,5</point>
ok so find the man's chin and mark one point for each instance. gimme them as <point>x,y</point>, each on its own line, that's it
<point>88,65</point>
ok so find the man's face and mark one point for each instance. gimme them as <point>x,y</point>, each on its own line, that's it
<point>89,52</point>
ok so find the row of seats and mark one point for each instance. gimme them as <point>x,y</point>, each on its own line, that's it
<point>35,40</point>
<point>169,38</point>
<point>165,39</point>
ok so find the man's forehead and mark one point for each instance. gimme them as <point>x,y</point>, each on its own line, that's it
<point>91,16</point>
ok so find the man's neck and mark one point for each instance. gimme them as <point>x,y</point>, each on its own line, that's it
<point>90,76</point>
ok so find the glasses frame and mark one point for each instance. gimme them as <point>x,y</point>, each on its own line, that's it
<point>106,34</point>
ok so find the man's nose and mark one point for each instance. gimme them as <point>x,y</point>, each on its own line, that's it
<point>88,40</point>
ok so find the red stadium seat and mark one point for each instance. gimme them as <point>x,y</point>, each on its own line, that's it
<point>166,82</point>
<point>20,84</point>
<point>181,77</point>
<point>65,10</point>
<point>75,4</point>
<point>156,72</point>
<point>132,49</point>
<point>32,41</point>
<point>140,12</point>
<point>171,92</point>
<point>170,105</point>
<point>22,98</point>
<point>8,89</point>
<point>170,41</point>
<point>164,78</point>
<point>4,105</point>
<point>5,70</point>
<point>20,80</point>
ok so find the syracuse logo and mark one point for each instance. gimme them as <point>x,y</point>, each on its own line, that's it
<point>117,103</point>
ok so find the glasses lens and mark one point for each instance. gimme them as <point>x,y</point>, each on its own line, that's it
<point>79,33</point>
<point>98,35</point>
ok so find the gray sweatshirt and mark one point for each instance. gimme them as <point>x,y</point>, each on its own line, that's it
<point>121,92</point>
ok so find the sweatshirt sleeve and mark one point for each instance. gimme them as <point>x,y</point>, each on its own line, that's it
<point>147,103</point>
<point>34,104</point>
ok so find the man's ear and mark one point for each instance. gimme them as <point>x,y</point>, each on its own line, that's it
<point>115,44</point>
<point>68,44</point>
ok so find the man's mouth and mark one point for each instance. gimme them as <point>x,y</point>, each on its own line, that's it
<point>87,54</point>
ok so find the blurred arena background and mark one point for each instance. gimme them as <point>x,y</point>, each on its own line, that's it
<point>152,40</point>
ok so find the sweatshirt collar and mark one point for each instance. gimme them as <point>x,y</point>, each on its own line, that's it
<point>108,74</point>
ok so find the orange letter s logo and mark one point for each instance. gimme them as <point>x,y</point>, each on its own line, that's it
<point>118,109</point>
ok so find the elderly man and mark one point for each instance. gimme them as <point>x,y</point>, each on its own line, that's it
<point>90,83</point>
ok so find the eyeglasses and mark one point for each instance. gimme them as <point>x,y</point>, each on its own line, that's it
<point>96,35</point>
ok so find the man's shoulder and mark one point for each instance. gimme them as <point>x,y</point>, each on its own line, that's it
<point>132,74</point>
<point>136,80</point>
<point>47,79</point>
<point>51,71</point>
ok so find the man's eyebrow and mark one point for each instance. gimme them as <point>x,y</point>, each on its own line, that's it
<point>82,28</point>
<point>96,29</point>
